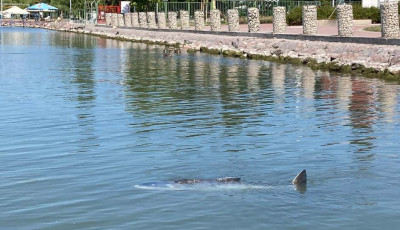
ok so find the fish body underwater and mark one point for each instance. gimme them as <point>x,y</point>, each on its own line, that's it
<point>224,183</point>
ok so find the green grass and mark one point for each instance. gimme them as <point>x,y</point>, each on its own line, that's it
<point>373,29</point>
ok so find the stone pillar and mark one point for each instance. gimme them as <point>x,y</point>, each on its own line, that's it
<point>128,19</point>
<point>172,20</point>
<point>215,20</point>
<point>233,20</point>
<point>199,20</point>
<point>162,22</point>
<point>279,21</point>
<point>108,19</point>
<point>114,19</point>
<point>345,20</point>
<point>184,19</point>
<point>143,20</point>
<point>253,16</point>
<point>151,20</point>
<point>389,20</point>
<point>135,19</point>
<point>121,22</point>
<point>310,20</point>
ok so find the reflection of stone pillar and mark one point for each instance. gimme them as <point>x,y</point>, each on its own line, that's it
<point>344,92</point>
<point>388,99</point>
<point>151,20</point>
<point>345,20</point>
<point>279,21</point>
<point>172,20</point>
<point>278,83</point>
<point>199,20</point>
<point>253,16</point>
<point>108,19</point>
<point>215,20</point>
<point>308,82</point>
<point>310,20</point>
<point>143,20</point>
<point>184,19</point>
<point>233,20</point>
<point>121,22</point>
<point>135,19</point>
<point>114,19</point>
<point>253,68</point>
<point>128,19</point>
<point>389,20</point>
<point>162,22</point>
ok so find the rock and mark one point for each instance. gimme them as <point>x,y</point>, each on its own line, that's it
<point>135,19</point>
<point>233,20</point>
<point>310,20</point>
<point>215,20</point>
<point>199,20</point>
<point>389,20</point>
<point>345,20</point>
<point>128,19</point>
<point>279,19</point>
<point>151,20</point>
<point>253,17</point>
<point>184,19</point>
<point>121,21</point>
<point>143,20</point>
<point>172,21</point>
<point>162,22</point>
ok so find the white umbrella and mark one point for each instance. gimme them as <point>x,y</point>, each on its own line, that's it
<point>15,10</point>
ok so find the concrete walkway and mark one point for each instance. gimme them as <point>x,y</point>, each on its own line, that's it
<point>322,30</point>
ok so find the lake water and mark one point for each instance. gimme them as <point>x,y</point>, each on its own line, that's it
<point>85,121</point>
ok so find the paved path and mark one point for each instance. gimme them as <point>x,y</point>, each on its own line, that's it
<point>322,30</point>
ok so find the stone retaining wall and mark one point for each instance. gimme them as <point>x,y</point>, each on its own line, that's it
<point>143,20</point>
<point>172,21</point>
<point>389,20</point>
<point>345,20</point>
<point>310,20</point>
<point>233,20</point>
<point>184,19</point>
<point>162,22</point>
<point>199,20</point>
<point>253,17</point>
<point>279,20</point>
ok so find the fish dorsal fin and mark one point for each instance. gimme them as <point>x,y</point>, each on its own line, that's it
<point>301,178</point>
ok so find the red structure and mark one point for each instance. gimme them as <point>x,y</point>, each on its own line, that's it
<point>106,9</point>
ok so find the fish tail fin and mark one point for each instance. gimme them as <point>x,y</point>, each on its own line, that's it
<point>301,178</point>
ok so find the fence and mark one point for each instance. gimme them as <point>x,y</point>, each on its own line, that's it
<point>265,6</point>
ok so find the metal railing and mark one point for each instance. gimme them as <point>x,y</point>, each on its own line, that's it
<point>265,6</point>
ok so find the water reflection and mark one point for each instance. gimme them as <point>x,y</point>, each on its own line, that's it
<point>77,64</point>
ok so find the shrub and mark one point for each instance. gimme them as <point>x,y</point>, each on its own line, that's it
<point>295,16</point>
<point>324,11</point>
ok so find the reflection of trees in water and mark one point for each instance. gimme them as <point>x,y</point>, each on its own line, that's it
<point>78,64</point>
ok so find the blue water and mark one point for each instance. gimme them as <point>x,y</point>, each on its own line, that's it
<point>85,121</point>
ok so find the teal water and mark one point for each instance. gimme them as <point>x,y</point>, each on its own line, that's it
<point>85,121</point>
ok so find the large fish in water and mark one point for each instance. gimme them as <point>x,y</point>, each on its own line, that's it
<point>299,181</point>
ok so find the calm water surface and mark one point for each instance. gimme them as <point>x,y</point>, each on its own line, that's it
<point>84,120</point>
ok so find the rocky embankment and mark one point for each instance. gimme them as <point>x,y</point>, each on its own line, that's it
<point>372,60</point>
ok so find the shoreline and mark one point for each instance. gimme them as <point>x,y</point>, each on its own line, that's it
<point>379,61</point>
